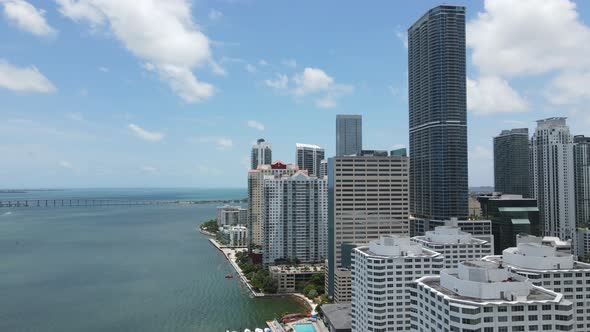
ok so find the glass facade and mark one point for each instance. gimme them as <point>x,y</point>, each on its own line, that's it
<point>511,162</point>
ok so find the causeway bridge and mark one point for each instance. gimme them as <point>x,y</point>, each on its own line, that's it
<point>85,202</point>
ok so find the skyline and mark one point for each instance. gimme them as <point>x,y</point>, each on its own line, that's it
<point>113,111</point>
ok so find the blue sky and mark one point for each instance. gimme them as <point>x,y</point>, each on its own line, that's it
<point>108,93</point>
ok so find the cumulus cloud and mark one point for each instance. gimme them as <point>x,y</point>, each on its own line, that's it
<point>312,80</point>
<point>27,18</point>
<point>215,15</point>
<point>289,63</point>
<point>152,136</point>
<point>280,82</point>
<point>220,142</point>
<point>570,87</point>
<point>326,102</point>
<point>262,62</point>
<point>255,124</point>
<point>162,33</point>
<point>402,36</point>
<point>493,95</point>
<point>224,143</point>
<point>250,68</point>
<point>24,79</point>
<point>65,164</point>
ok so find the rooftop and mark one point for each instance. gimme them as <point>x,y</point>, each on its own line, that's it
<point>339,315</point>
<point>395,245</point>
<point>308,146</point>
<point>297,269</point>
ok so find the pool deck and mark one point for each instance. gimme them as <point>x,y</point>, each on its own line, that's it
<point>317,324</point>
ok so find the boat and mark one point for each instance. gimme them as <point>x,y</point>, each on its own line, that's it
<point>228,276</point>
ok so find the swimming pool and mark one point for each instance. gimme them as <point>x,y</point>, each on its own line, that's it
<point>305,327</point>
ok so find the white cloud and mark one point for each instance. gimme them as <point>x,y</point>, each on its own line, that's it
<point>215,15</point>
<point>149,169</point>
<point>220,142</point>
<point>493,95</point>
<point>289,63</point>
<point>27,18</point>
<point>255,124</point>
<point>250,68</point>
<point>402,36</point>
<point>24,79</point>
<point>152,136</point>
<point>65,164</point>
<point>262,63</point>
<point>280,83</point>
<point>481,153</point>
<point>312,80</point>
<point>326,102</point>
<point>224,143</point>
<point>570,88</point>
<point>161,33</point>
<point>104,69</point>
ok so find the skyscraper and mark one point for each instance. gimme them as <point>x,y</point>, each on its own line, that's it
<point>552,171</point>
<point>349,134</point>
<point>309,157</point>
<point>582,179</point>
<point>438,116</point>
<point>261,154</point>
<point>511,162</point>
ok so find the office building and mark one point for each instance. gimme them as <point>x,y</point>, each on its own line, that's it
<point>510,215</point>
<point>555,270</point>
<point>455,245</point>
<point>231,215</point>
<point>552,168</point>
<point>402,152</point>
<point>582,179</point>
<point>323,168</point>
<point>294,219</point>
<point>382,274</point>
<point>582,243</point>
<point>368,197</point>
<point>256,199</point>
<point>482,296</point>
<point>261,154</point>
<point>309,157</point>
<point>438,115</point>
<point>511,162</point>
<point>349,134</point>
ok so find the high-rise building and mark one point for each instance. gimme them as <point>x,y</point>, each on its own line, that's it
<point>510,215</point>
<point>294,219</point>
<point>552,168</point>
<point>261,154</point>
<point>231,215</point>
<point>256,196</point>
<point>309,157</point>
<point>482,296</point>
<point>368,196</point>
<point>455,245</point>
<point>556,270</point>
<point>438,114</point>
<point>382,274</point>
<point>349,134</point>
<point>582,179</point>
<point>323,168</point>
<point>511,162</point>
<point>481,229</point>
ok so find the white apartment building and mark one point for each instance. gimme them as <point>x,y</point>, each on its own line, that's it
<point>231,215</point>
<point>255,195</point>
<point>294,218</point>
<point>481,296</point>
<point>382,274</point>
<point>309,157</point>
<point>235,236</point>
<point>552,169</point>
<point>455,245</point>
<point>481,229</point>
<point>558,271</point>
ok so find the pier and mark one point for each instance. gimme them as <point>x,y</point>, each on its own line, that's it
<point>82,202</point>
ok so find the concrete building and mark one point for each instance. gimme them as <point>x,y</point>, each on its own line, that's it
<point>382,274</point>
<point>582,179</point>
<point>481,229</point>
<point>255,195</point>
<point>582,243</point>
<point>231,215</point>
<point>511,162</point>
<point>349,134</point>
<point>309,157</point>
<point>323,168</point>
<point>552,168</point>
<point>438,114</point>
<point>294,218</point>
<point>287,276</point>
<point>556,270</point>
<point>481,296</point>
<point>337,317</point>
<point>368,196</point>
<point>261,154</point>
<point>510,215</point>
<point>234,236</point>
<point>455,245</point>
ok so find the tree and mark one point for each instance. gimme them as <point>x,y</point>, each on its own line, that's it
<point>312,293</point>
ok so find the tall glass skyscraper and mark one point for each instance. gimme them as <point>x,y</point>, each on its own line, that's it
<point>438,114</point>
<point>511,162</point>
<point>349,134</point>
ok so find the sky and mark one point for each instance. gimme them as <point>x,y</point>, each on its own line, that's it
<point>150,93</point>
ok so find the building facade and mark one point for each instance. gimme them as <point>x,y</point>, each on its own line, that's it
<point>294,219</point>
<point>382,274</point>
<point>349,134</point>
<point>323,168</point>
<point>234,236</point>
<point>582,179</point>
<point>511,162</point>
<point>309,157</point>
<point>288,276</point>
<point>368,196</point>
<point>256,199</point>
<point>261,154</point>
<point>484,297</point>
<point>552,169</point>
<point>481,229</point>
<point>438,114</point>
<point>231,215</point>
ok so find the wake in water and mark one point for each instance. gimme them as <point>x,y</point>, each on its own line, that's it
<point>6,213</point>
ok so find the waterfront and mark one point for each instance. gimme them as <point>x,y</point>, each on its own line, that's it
<point>122,269</point>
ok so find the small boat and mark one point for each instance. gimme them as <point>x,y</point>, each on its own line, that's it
<point>228,276</point>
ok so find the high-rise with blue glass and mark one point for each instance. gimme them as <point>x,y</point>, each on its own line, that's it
<point>438,115</point>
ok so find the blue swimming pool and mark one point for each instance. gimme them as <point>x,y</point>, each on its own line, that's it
<point>305,327</point>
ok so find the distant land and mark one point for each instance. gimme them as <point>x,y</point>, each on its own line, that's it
<point>482,189</point>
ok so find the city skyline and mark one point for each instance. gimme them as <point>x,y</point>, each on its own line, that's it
<point>131,118</point>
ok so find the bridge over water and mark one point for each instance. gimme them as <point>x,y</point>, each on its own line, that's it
<point>83,202</point>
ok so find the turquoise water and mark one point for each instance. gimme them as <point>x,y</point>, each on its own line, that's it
<point>121,269</point>
<point>306,327</point>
